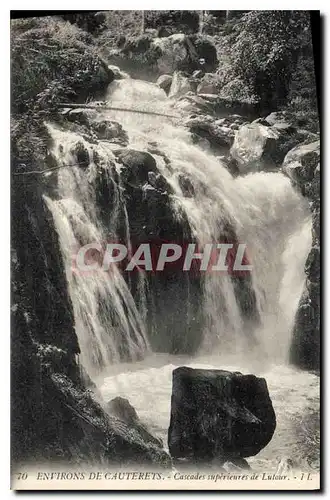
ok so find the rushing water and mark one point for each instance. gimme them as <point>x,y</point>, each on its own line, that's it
<point>266,213</point>
<point>295,397</point>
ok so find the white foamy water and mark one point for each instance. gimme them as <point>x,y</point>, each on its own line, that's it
<point>294,394</point>
<point>265,212</point>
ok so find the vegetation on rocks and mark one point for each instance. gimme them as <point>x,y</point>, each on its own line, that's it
<point>212,67</point>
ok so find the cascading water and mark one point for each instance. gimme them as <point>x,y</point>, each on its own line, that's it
<point>262,208</point>
<point>107,321</point>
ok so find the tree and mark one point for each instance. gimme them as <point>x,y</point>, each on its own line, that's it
<point>265,51</point>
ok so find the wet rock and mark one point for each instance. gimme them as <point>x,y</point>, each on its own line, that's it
<point>180,85</point>
<point>255,148</point>
<point>216,414</point>
<point>279,117</point>
<point>137,165</point>
<point>262,121</point>
<point>43,333</point>
<point>305,345</point>
<point>122,409</point>
<point>159,182</point>
<point>117,72</point>
<point>81,153</point>
<point>110,131</point>
<point>209,84</point>
<point>217,132</point>
<point>164,82</point>
<point>186,186</point>
<point>192,104</point>
<point>81,116</point>
<point>302,165</point>
<point>175,53</point>
<point>103,437</point>
<point>230,164</point>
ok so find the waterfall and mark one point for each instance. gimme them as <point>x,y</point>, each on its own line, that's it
<point>263,209</point>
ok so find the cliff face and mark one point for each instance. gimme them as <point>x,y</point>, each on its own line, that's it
<point>302,165</point>
<point>43,335</point>
<point>54,416</point>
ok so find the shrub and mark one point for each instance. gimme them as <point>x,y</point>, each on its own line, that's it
<point>265,51</point>
<point>51,61</point>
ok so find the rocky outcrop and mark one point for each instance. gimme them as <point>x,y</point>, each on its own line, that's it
<point>165,82</point>
<point>209,84</point>
<point>175,52</point>
<point>302,165</point>
<point>121,408</point>
<point>219,415</point>
<point>220,132</point>
<point>152,217</point>
<point>180,85</point>
<point>255,148</point>
<point>166,54</point>
<point>107,130</point>
<point>54,416</point>
<point>263,144</point>
<point>88,432</point>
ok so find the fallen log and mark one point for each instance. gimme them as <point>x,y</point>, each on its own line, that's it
<point>114,108</point>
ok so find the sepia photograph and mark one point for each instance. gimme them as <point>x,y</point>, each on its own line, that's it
<point>165,250</point>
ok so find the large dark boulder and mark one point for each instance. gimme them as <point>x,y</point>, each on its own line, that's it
<point>216,414</point>
<point>137,164</point>
<point>175,53</point>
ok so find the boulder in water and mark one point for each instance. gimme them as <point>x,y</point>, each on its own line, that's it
<point>137,165</point>
<point>255,148</point>
<point>164,82</point>
<point>110,131</point>
<point>117,72</point>
<point>217,132</point>
<point>81,153</point>
<point>180,85</point>
<point>217,414</point>
<point>80,116</point>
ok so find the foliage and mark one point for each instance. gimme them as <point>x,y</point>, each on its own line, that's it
<point>29,142</point>
<point>50,61</point>
<point>178,21</point>
<point>266,47</point>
